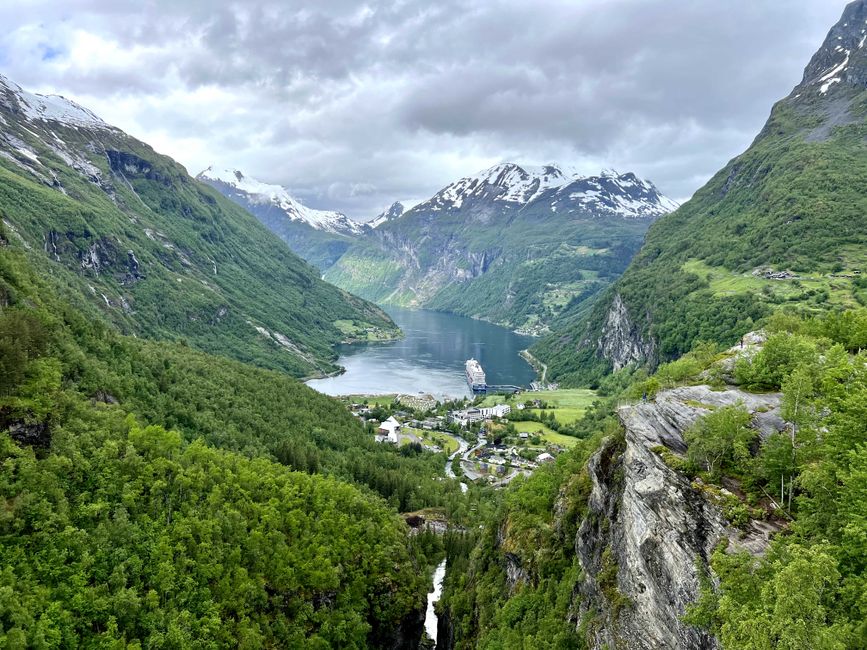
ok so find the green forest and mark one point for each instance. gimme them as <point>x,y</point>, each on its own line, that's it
<point>159,496</point>
<point>806,591</point>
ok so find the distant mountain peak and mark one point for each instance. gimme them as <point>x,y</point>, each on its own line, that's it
<point>562,189</point>
<point>842,60</point>
<point>394,211</point>
<point>48,108</point>
<point>258,193</point>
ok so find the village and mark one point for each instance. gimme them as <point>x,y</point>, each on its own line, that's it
<point>490,439</point>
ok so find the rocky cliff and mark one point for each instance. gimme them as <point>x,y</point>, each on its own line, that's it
<point>622,341</point>
<point>651,530</point>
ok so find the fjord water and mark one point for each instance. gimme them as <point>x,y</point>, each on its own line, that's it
<point>430,358</point>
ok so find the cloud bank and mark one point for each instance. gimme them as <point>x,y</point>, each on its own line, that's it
<point>352,106</point>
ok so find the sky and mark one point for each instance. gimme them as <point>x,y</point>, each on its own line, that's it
<point>354,105</point>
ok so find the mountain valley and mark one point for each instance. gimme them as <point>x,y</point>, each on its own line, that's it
<point>698,480</point>
<point>517,246</point>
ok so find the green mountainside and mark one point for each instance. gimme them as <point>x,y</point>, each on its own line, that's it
<point>162,497</point>
<point>719,501</point>
<point>782,226</point>
<point>158,253</point>
<point>512,245</point>
<point>159,495</point>
<point>725,509</point>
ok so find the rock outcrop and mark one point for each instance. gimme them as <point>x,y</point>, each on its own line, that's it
<point>621,341</point>
<point>651,531</point>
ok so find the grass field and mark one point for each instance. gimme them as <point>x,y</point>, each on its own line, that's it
<point>547,434</point>
<point>726,283</point>
<point>569,404</point>
<point>446,442</point>
<point>372,400</point>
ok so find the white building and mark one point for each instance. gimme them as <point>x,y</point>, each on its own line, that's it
<point>498,411</point>
<point>544,457</point>
<point>463,418</point>
<point>388,431</point>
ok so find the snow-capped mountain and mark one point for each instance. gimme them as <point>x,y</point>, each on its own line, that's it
<point>609,194</point>
<point>120,227</point>
<point>842,60</point>
<point>47,108</point>
<point>254,194</point>
<point>512,244</point>
<point>394,211</point>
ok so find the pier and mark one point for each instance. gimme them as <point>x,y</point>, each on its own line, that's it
<point>502,389</point>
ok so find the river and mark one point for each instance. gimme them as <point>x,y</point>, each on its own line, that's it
<point>430,618</point>
<point>430,358</point>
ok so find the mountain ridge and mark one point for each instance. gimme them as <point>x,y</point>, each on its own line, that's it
<point>507,245</point>
<point>158,254</point>
<point>780,226</point>
<point>278,196</point>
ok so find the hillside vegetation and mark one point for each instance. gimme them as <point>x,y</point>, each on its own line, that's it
<point>520,584</point>
<point>161,255</point>
<point>157,496</point>
<point>791,205</point>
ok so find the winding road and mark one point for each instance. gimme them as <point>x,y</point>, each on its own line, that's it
<point>462,450</point>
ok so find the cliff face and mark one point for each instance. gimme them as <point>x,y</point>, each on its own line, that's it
<point>621,341</point>
<point>650,531</point>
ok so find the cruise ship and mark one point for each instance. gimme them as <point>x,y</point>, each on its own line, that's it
<point>476,376</point>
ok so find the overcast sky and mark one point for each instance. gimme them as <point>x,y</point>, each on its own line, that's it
<point>352,106</point>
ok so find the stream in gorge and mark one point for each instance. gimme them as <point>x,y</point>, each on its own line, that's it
<point>430,617</point>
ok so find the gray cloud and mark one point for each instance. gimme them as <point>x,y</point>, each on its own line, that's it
<point>354,105</point>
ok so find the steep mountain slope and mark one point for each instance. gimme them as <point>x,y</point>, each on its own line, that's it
<point>160,495</point>
<point>781,226</point>
<point>156,253</point>
<point>511,244</point>
<point>717,504</point>
<point>319,236</point>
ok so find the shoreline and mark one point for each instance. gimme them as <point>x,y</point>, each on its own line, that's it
<point>527,356</point>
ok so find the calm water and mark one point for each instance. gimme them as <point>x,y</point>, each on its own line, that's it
<point>430,359</point>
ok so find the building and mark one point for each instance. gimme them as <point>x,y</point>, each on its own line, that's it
<point>498,411</point>
<point>467,416</point>
<point>420,402</point>
<point>389,431</point>
<point>523,435</point>
<point>544,457</point>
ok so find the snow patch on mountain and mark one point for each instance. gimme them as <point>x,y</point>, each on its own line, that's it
<point>841,62</point>
<point>394,211</point>
<point>51,108</point>
<point>258,193</point>
<point>610,193</point>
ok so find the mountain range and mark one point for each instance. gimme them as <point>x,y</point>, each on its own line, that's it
<point>167,482</point>
<point>135,238</point>
<point>512,244</point>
